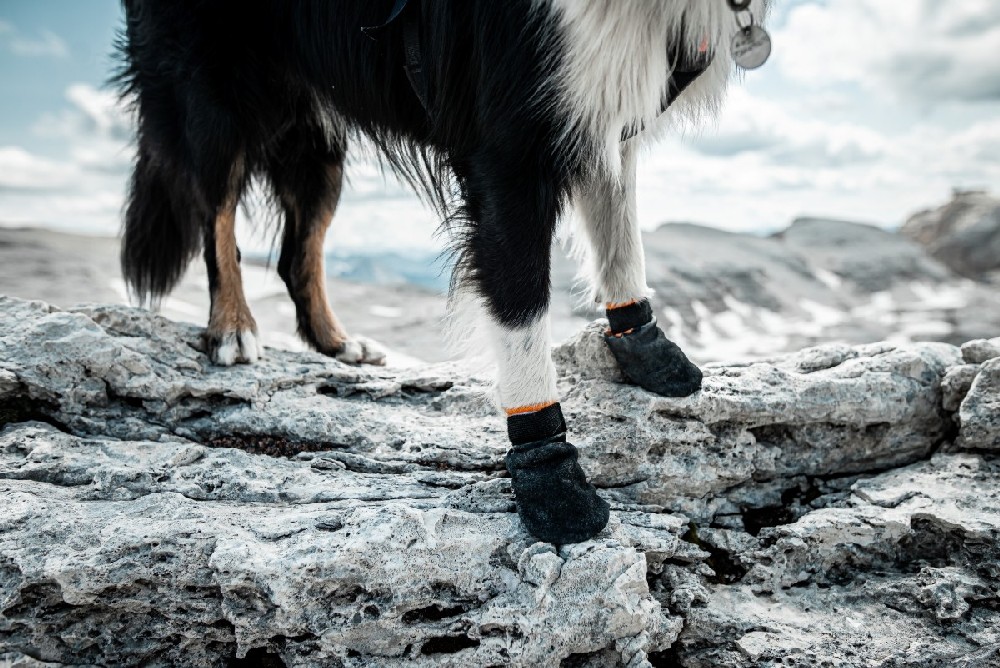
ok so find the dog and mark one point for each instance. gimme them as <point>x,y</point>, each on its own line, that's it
<point>501,114</point>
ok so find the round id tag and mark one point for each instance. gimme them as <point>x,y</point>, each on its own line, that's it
<point>751,47</point>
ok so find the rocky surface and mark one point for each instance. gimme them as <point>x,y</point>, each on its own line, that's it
<point>835,507</point>
<point>963,234</point>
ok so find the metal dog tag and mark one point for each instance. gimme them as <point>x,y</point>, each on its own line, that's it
<point>751,47</point>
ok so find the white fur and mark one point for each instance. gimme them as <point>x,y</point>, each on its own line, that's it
<point>238,347</point>
<point>362,350</point>
<point>526,375</point>
<point>607,241</point>
<point>616,67</point>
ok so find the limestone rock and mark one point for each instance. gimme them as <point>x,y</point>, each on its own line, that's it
<point>964,233</point>
<point>981,350</point>
<point>125,552</point>
<point>956,385</point>
<point>905,575</point>
<point>157,510</point>
<point>979,414</point>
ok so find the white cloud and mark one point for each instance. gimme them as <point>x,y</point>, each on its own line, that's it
<point>97,129</point>
<point>21,170</point>
<point>750,124</point>
<point>45,44</point>
<point>84,189</point>
<point>93,111</point>
<point>929,50</point>
<point>835,126</point>
<point>811,166</point>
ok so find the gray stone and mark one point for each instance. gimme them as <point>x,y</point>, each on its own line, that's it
<point>8,383</point>
<point>981,350</point>
<point>964,233</point>
<point>754,429</point>
<point>904,576</point>
<point>956,384</point>
<point>18,660</point>
<point>191,554</point>
<point>747,436</point>
<point>979,414</point>
<point>167,512</point>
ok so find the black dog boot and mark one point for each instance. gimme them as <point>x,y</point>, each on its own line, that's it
<point>645,355</point>
<point>554,500</point>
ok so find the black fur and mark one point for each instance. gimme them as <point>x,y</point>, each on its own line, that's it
<point>226,91</point>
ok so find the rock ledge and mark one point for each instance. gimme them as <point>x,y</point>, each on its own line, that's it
<point>835,507</point>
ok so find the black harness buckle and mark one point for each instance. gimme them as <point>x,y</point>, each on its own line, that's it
<point>406,15</point>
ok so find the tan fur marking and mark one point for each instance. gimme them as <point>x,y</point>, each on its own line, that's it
<point>230,312</point>
<point>330,334</point>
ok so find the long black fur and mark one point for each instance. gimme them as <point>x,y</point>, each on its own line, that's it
<point>275,89</point>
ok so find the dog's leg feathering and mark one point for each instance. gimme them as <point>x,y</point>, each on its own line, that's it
<point>617,271</point>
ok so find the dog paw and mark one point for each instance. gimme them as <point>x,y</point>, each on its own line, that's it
<point>361,350</point>
<point>234,347</point>
<point>555,501</point>
<point>650,360</point>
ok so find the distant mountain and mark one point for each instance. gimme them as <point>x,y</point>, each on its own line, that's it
<point>722,294</point>
<point>426,270</point>
<point>964,233</point>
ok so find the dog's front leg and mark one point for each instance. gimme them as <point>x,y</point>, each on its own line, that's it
<point>617,271</point>
<point>512,211</point>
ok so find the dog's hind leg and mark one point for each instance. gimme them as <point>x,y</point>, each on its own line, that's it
<point>231,336</point>
<point>309,191</point>
<point>512,208</point>
<point>607,208</point>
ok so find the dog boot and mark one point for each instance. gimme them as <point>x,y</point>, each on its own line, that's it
<point>554,500</point>
<point>645,355</point>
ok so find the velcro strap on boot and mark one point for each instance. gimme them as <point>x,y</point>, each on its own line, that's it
<point>537,426</point>
<point>627,318</point>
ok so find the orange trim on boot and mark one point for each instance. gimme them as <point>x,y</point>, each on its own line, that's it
<point>534,408</point>
<point>619,335</point>
<point>611,306</point>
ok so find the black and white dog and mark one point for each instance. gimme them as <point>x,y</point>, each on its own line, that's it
<point>500,112</point>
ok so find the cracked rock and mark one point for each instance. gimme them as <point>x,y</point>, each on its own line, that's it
<point>979,413</point>
<point>157,510</point>
<point>981,350</point>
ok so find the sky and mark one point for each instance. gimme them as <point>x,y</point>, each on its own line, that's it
<point>868,110</point>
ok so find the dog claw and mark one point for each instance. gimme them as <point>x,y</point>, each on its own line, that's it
<point>653,362</point>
